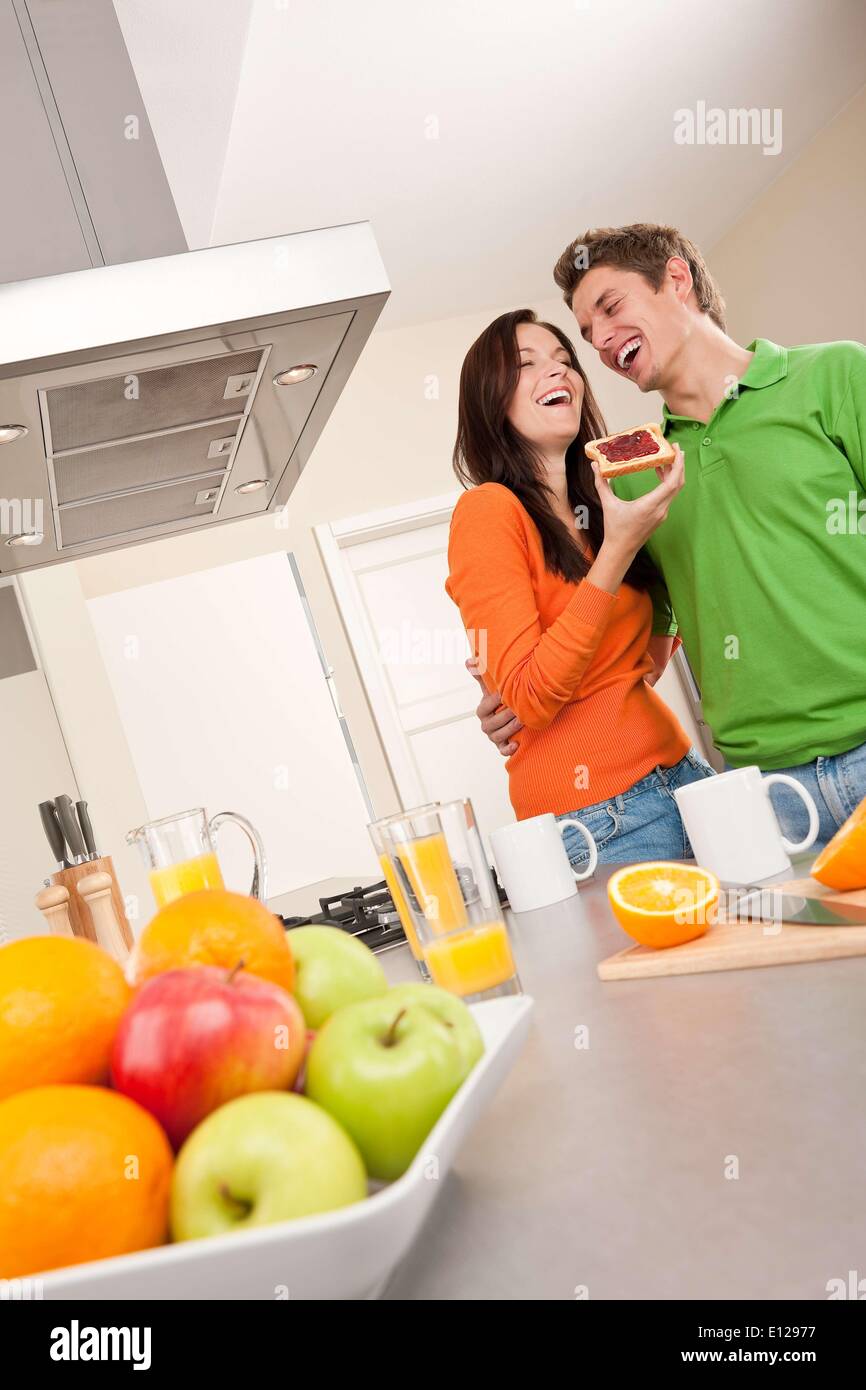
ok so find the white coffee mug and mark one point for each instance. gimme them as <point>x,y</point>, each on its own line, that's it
<point>733,828</point>
<point>533,864</point>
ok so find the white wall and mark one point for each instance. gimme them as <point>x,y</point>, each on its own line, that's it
<point>793,268</point>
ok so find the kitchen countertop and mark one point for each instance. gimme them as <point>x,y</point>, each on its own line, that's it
<point>605,1166</point>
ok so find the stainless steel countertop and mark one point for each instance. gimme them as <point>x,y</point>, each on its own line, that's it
<point>605,1166</point>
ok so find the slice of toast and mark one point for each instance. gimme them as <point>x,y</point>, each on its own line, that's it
<point>623,445</point>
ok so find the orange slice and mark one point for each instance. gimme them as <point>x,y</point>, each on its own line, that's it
<point>842,863</point>
<point>663,904</point>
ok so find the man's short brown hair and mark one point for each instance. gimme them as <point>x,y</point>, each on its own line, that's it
<point>644,247</point>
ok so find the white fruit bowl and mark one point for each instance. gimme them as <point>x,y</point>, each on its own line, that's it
<point>345,1254</point>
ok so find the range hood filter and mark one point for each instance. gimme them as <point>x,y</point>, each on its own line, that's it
<point>164,398</point>
<point>147,462</point>
<point>191,409</point>
<point>119,516</point>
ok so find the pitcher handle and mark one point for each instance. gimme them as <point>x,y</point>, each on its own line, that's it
<point>814,823</point>
<point>259,886</point>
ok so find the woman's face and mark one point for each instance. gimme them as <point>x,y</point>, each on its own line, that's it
<point>546,375</point>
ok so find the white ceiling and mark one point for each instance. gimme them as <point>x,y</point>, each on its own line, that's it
<point>551,117</point>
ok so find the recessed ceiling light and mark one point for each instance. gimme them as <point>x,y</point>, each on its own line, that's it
<point>253,486</point>
<point>302,372</point>
<point>30,538</point>
<point>9,433</point>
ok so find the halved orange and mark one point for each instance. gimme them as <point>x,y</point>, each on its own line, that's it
<point>662,904</point>
<point>842,863</point>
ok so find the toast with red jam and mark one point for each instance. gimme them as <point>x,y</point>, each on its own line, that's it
<point>630,451</point>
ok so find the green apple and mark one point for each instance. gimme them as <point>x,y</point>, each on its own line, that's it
<point>332,969</point>
<point>259,1159</point>
<point>385,1069</point>
<point>452,1011</point>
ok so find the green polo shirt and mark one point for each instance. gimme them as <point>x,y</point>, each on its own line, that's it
<point>764,554</point>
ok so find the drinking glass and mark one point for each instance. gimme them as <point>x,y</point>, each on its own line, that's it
<point>382,845</point>
<point>439,862</point>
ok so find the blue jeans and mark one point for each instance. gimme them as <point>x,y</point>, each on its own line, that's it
<point>641,823</point>
<point>837,785</point>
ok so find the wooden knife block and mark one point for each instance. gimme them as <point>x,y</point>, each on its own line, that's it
<point>79,912</point>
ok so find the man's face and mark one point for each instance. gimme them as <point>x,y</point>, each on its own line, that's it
<point>635,331</point>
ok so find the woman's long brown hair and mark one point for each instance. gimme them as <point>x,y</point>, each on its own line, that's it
<point>490,450</point>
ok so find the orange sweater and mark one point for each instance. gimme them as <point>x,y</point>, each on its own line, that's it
<point>569,659</point>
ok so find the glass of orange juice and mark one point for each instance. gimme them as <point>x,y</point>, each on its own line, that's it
<point>439,862</point>
<point>382,845</point>
<point>180,856</point>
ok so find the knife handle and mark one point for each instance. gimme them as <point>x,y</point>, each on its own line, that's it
<point>53,833</point>
<point>86,826</point>
<point>69,826</point>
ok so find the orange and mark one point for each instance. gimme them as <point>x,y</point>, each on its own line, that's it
<point>215,927</point>
<point>84,1174</point>
<point>664,904</point>
<point>60,1004</point>
<point>842,863</point>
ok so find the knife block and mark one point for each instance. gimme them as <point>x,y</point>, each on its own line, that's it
<point>79,912</point>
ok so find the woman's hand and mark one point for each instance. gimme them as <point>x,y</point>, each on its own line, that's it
<point>628,525</point>
<point>499,723</point>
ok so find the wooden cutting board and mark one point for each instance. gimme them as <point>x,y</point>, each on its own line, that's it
<point>745,945</point>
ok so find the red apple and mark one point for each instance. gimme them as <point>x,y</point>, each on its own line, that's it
<point>195,1038</point>
<point>301,1077</point>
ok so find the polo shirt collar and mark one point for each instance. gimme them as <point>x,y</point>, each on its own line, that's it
<point>769,365</point>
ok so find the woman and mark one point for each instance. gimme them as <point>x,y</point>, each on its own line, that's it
<point>547,567</point>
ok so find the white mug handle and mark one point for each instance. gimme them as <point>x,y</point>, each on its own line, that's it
<point>593,852</point>
<point>812,832</point>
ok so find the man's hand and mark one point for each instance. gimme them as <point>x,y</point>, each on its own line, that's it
<point>499,723</point>
<point>659,650</point>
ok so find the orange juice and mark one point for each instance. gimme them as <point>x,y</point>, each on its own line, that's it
<point>428,866</point>
<point>469,962</point>
<point>187,876</point>
<point>401,905</point>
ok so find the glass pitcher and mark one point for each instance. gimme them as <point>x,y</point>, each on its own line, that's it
<point>180,855</point>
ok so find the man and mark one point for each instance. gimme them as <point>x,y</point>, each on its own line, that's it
<point>764,550</point>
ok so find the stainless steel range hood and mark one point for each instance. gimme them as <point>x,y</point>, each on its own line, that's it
<point>144,399</point>
<point>137,389</point>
